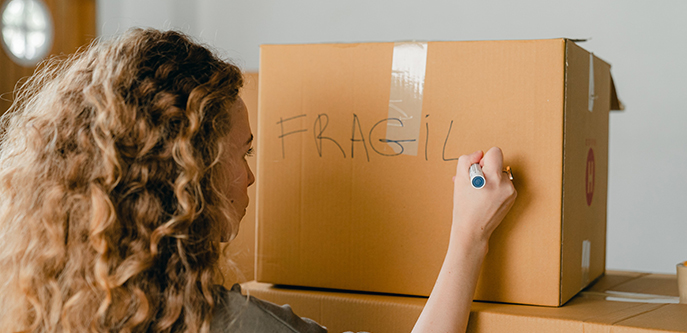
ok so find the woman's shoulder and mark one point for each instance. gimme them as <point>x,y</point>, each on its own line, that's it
<point>236,312</point>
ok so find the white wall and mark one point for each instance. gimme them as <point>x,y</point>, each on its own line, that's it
<point>647,203</point>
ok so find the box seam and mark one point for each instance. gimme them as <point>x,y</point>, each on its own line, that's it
<point>628,281</point>
<point>638,314</point>
<point>257,270</point>
<point>565,110</point>
<point>301,199</point>
<point>637,305</point>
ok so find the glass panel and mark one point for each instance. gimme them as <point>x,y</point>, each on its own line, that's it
<point>27,31</point>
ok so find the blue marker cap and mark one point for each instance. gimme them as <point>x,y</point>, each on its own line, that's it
<point>477,177</point>
<point>478,182</point>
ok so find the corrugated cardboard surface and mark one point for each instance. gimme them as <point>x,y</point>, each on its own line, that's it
<point>242,249</point>
<point>336,212</point>
<point>585,170</point>
<point>655,284</point>
<point>584,313</point>
<point>613,279</point>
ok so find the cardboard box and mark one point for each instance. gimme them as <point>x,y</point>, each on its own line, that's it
<point>237,262</point>
<point>349,199</point>
<point>597,309</point>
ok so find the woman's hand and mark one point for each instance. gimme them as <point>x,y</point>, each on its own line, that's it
<point>477,212</point>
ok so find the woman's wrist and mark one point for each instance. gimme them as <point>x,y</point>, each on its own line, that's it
<point>468,244</point>
<point>471,233</point>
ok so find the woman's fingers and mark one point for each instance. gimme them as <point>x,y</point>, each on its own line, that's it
<point>463,166</point>
<point>465,161</point>
<point>492,162</point>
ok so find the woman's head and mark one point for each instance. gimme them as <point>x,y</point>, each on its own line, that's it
<point>112,168</point>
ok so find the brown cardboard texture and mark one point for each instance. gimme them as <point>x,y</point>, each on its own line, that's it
<point>347,201</point>
<point>585,313</point>
<point>237,262</point>
<point>655,284</point>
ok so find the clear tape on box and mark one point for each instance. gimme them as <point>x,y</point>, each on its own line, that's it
<point>408,69</point>
<point>622,296</point>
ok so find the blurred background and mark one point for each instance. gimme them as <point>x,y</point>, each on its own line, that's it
<point>647,195</point>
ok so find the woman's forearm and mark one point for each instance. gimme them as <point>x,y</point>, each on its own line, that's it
<point>448,307</point>
<point>476,214</point>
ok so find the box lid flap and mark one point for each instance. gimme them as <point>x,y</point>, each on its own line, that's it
<point>616,104</point>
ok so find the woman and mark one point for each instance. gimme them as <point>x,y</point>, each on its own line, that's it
<point>122,170</point>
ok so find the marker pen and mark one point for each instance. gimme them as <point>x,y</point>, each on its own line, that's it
<point>477,177</point>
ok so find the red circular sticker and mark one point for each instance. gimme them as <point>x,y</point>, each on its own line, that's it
<point>589,177</point>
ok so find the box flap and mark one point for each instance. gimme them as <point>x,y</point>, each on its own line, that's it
<point>616,104</point>
<point>611,279</point>
<point>654,284</point>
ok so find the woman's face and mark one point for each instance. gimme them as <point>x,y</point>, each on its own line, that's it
<point>236,174</point>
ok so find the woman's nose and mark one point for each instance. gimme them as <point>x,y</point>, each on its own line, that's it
<point>251,176</point>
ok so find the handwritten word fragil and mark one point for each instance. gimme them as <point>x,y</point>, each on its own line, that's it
<point>358,138</point>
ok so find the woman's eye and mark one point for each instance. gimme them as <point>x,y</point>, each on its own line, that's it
<point>250,152</point>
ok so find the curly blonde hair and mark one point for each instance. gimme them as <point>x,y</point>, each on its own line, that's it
<point>108,212</point>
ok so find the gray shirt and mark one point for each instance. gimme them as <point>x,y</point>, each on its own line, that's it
<point>235,312</point>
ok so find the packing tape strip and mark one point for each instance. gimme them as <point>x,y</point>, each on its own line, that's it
<point>405,97</point>
<point>622,296</point>
<point>592,95</point>
<point>586,260</point>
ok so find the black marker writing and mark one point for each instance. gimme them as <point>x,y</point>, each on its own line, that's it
<point>443,151</point>
<point>426,139</point>
<point>322,122</point>
<point>281,122</point>
<point>397,142</point>
<point>362,137</point>
<point>318,129</point>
